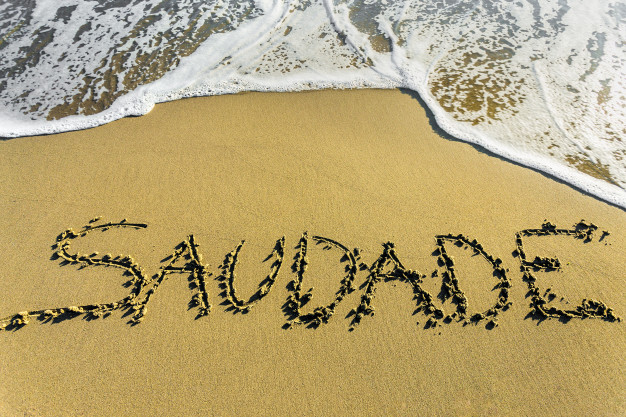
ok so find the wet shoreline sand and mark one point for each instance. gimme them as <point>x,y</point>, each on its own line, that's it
<point>354,169</point>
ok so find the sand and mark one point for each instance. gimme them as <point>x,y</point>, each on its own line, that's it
<point>293,175</point>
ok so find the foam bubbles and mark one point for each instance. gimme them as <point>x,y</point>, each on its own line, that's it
<point>540,83</point>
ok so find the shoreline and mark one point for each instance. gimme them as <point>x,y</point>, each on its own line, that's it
<point>609,192</point>
<point>354,169</point>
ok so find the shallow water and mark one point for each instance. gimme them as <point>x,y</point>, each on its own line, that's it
<point>540,82</point>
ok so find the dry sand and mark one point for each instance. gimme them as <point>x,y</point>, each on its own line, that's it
<point>361,167</point>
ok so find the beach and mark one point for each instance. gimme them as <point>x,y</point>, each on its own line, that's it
<point>338,169</point>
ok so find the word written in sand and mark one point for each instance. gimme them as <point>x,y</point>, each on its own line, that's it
<point>186,259</point>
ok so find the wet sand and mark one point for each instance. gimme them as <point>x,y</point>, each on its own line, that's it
<point>446,281</point>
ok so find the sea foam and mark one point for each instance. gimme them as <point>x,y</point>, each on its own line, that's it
<point>541,83</point>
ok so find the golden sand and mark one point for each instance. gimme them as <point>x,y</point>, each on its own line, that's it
<point>320,253</point>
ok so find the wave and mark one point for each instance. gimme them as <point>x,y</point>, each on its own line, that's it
<point>541,83</point>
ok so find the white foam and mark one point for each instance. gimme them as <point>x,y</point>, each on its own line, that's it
<point>548,76</point>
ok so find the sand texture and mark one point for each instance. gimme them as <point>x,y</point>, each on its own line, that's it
<point>319,253</point>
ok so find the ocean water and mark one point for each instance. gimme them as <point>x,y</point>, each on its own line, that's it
<point>539,82</point>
